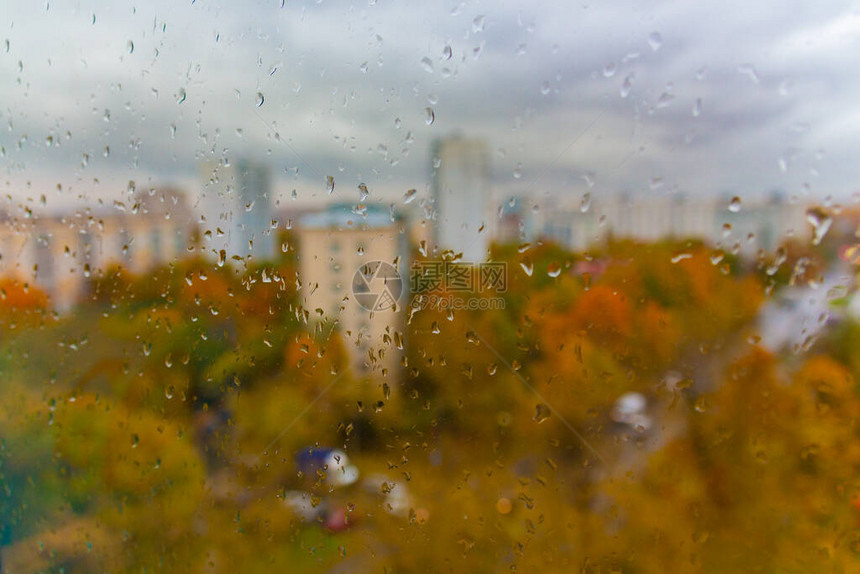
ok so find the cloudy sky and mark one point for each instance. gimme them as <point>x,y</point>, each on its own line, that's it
<point>728,98</point>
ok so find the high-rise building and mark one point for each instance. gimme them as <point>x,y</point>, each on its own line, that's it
<point>461,192</point>
<point>237,204</point>
<point>351,267</point>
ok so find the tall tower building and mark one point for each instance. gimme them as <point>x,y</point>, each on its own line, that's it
<point>461,192</point>
<point>237,200</point>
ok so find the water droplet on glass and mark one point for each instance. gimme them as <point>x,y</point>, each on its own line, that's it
<point>527,266</point>
<point>627,85</point>
<point>655,40</point>
<point>664,100</point>
<point>542,413</point>
<point>697,108</point>
<point>409,196</point>
<point>750,71</point>
<point>553,270</point>
<point>717,257</point>
<point>397,123</point>
<point>427,64</point>
<point>260,99</point>
<point>429,116</point>
<point>135,440</point>
<point>610,69</point>
<point>545,88</point>
<point>518,171</point>
<point>329,184</point>
<point>181,96</point>
<point>585,204</point>
<point>735,204</point>
<point>130,47</point>
<point>222,258</point>
<point>820,220</point>
<point>478,24</point>
<point>447,53</point>
<point>362,192</point>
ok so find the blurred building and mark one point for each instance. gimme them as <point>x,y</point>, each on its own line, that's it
<point>237,200</point>
<point>59,253</point>
<point>352,267</point>
<point>461,195</point>
<point>579,223</point>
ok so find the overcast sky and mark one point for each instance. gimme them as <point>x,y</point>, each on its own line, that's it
<point>655,97</point>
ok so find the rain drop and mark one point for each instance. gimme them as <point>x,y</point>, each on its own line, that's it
<point>478,24</point>
<point>627,85</point>
<point>329,184</point>
<point>655,40</point>
<point>527,266</point>
<point>181,96</point>
<point>735,204</point>
<point>427,64</point>
<point>697,108</point>
<point>260,99</point>
<point>553,270</point>
<point>130,47</point>
<point>542,413</point>
<point>749,70</point>
<point>585,205</point>
<point>610,69</point>
<point>821,221</point>
<point>363,193</point>
<point>664,100</point>
<point>409,196</point>
<point>429,116</point>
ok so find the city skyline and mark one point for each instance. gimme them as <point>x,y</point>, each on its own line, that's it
<point>659,106</point>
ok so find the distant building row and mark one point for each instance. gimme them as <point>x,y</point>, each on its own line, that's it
<point>59,253</point>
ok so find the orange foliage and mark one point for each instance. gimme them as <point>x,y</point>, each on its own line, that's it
<point>604,312</point>
<point>17,296</point>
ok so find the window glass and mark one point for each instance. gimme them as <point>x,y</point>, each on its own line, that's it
<point>467,286</point>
